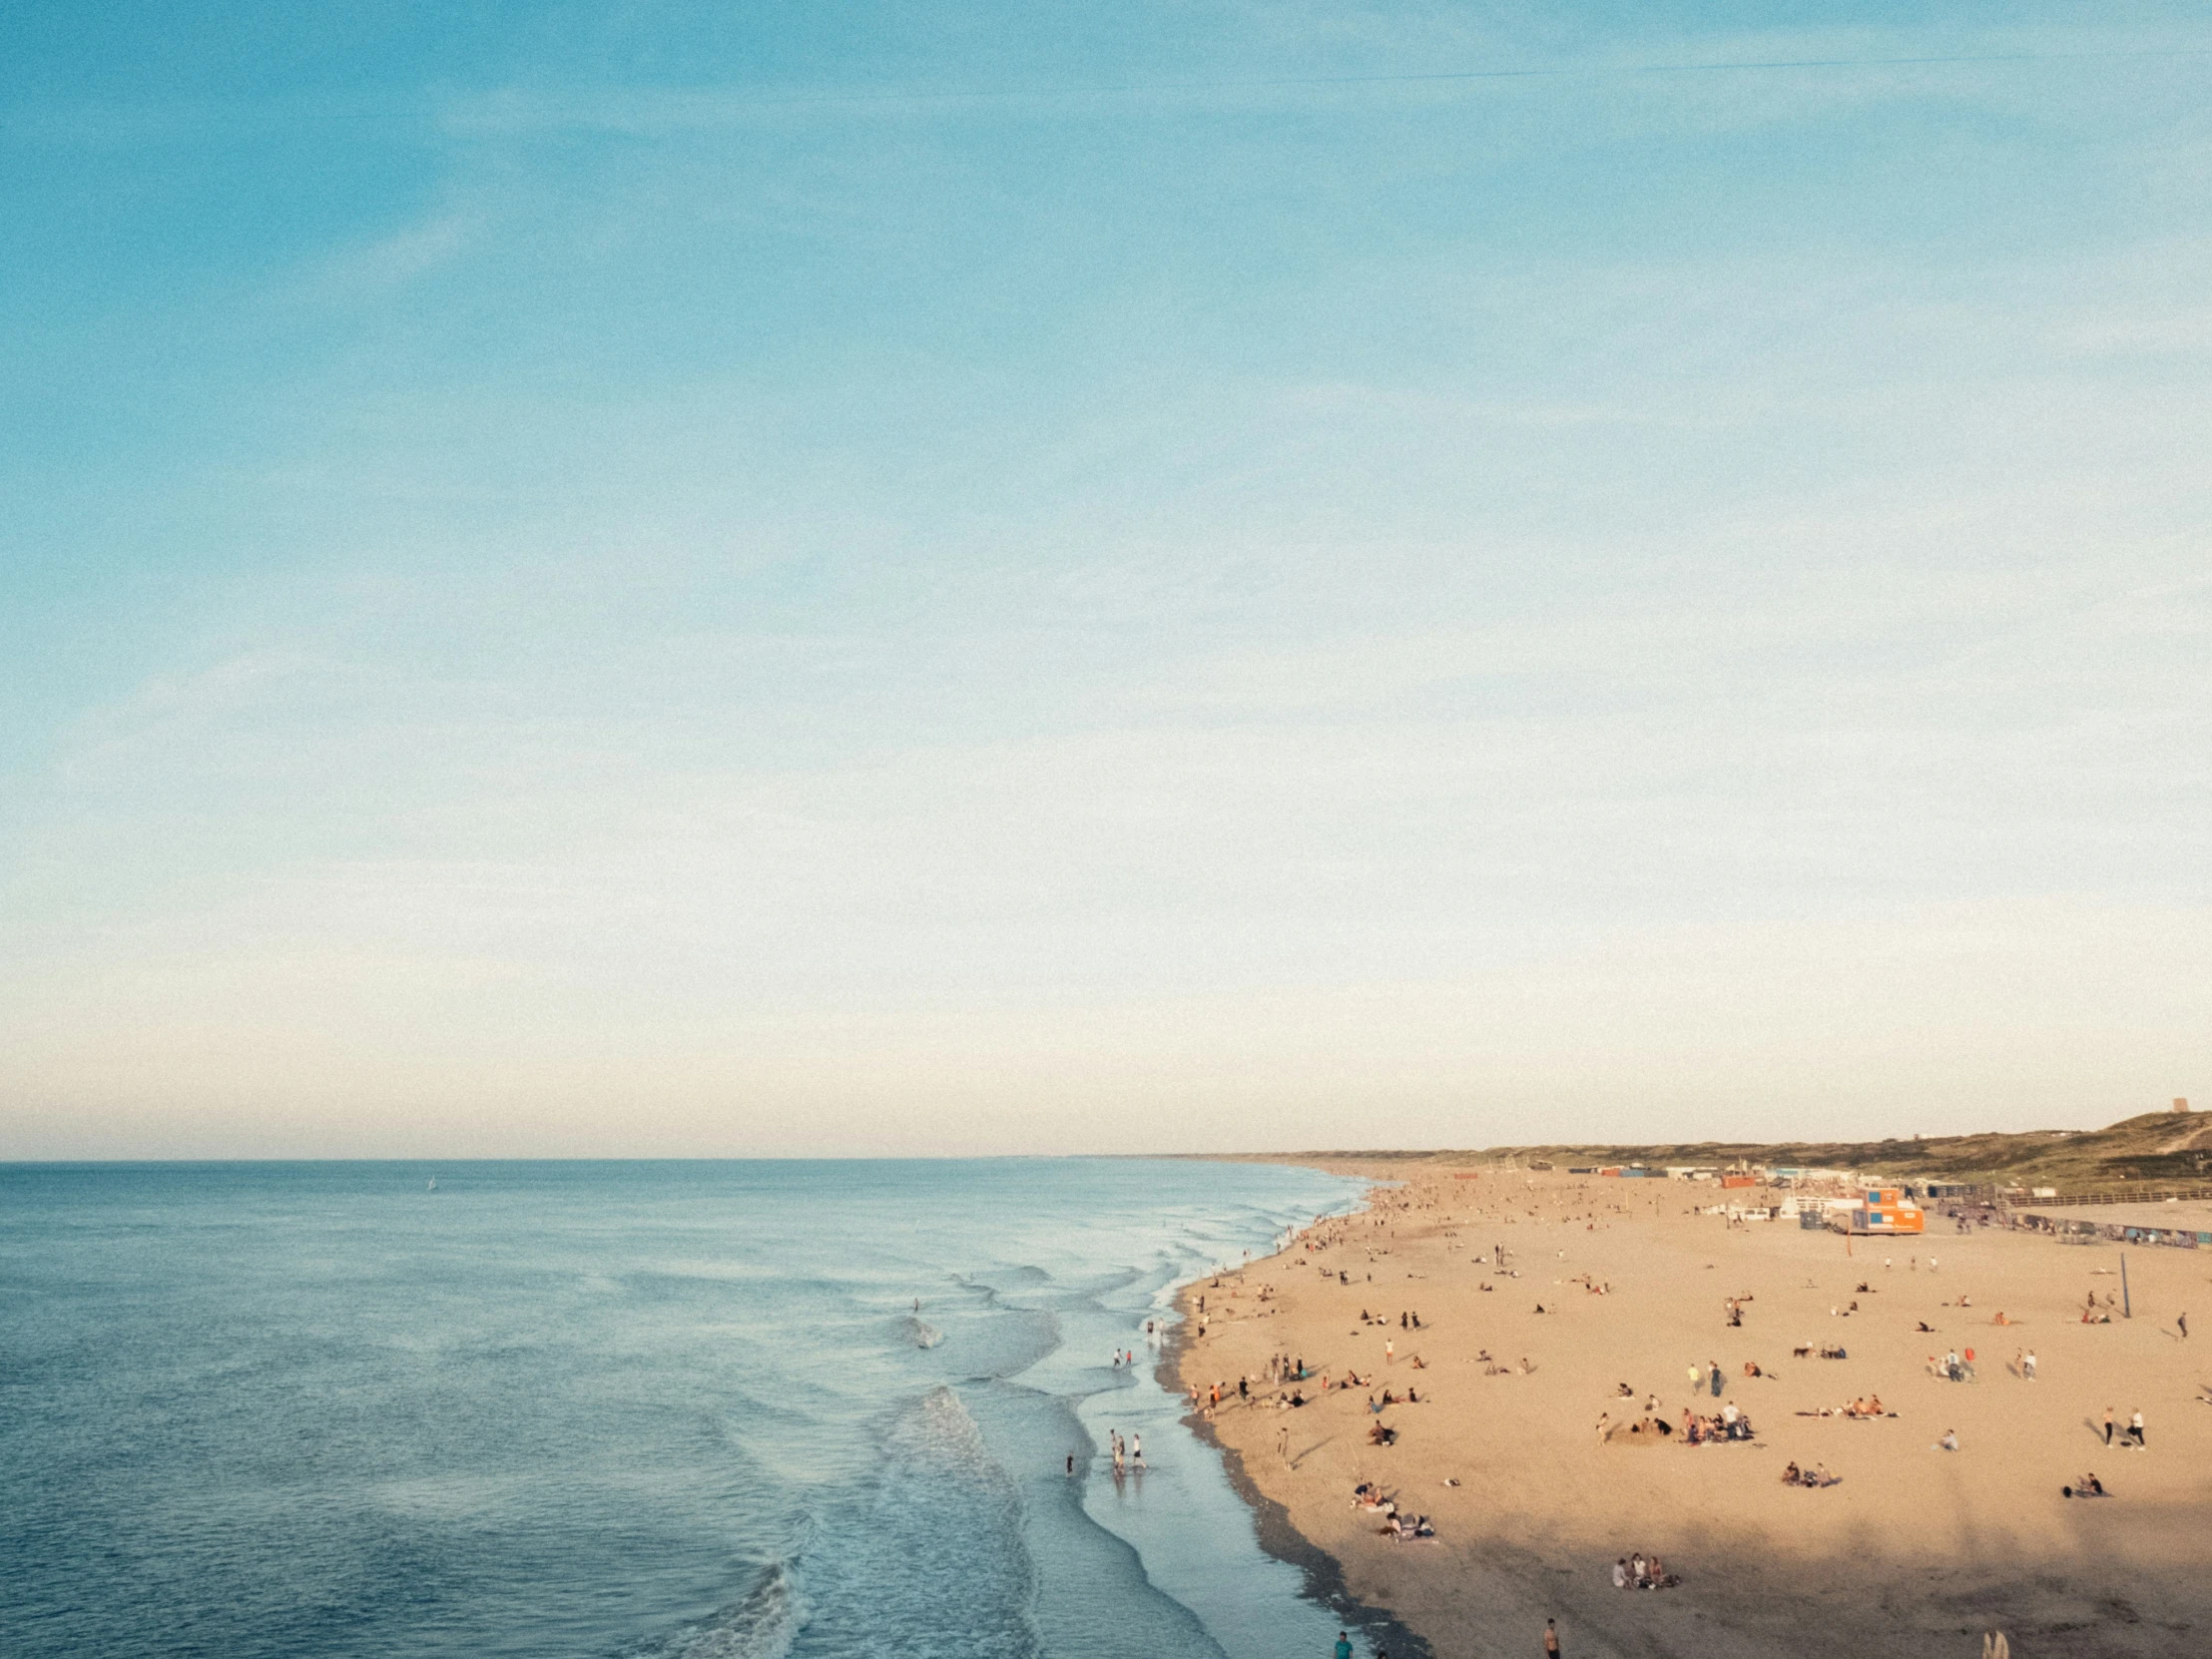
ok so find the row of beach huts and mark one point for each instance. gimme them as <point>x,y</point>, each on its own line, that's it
<point>1844,1202</point>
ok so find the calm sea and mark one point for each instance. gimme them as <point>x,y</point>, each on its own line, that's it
<point>623,1410</point>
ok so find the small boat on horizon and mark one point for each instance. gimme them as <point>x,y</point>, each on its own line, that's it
<point>433,1185</point>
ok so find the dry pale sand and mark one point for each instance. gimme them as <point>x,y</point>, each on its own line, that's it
<point>1918,1551</point>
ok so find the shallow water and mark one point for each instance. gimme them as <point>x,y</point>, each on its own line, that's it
<point>676,1411</point>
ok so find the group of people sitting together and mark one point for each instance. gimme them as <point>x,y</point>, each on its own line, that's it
<point>1369,1496</point>
<point>1642,1572</point>
<point>1827,1350</point>
<point>1490,1368</point>
<point>1816,1475</point>
<point>1730,1424</point>
<point>1871,1407</point>
<point>1951,1367</point>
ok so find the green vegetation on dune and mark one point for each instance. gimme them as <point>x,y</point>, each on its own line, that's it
<point>2156,1149</point>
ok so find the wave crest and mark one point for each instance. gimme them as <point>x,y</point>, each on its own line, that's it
<point>761,1624</point>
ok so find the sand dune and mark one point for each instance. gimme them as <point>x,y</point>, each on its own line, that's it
<point>1917,1547</point>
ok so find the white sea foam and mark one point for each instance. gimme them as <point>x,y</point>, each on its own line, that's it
<point>761,1624</point>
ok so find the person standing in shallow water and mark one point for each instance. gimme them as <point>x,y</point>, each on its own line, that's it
<point>1343,1646</point>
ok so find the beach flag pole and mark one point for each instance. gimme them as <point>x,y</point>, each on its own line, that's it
<point>2128,1303</point>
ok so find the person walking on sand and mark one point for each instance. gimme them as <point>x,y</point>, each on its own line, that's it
<point>2108,1426</point>
<point>2182,1320</point>
<point>2135,1432</point>
<point>1551,1639</point>
<point>1716,1365</point>
<point>1390,1351</point>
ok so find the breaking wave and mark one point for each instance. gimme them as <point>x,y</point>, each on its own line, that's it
<point>761,1624</point>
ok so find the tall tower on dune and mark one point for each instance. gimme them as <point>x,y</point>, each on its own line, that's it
<point>2180,1105</point>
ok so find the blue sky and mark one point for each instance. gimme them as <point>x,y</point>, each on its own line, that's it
<point>828,578</point>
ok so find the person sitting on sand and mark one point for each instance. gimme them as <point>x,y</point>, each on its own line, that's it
<point>1949,1442</point>
<point>2087,1487</point>
<point>1792,1474</point>
<point>1926,1329</point>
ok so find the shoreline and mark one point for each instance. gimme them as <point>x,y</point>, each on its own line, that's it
<point>1608,1285</point>
<point>1320,1575</point>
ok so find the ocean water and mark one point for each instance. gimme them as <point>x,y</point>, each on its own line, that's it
<point>621,1410</point>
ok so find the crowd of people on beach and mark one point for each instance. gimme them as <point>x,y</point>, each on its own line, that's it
<point>1285,1379</point>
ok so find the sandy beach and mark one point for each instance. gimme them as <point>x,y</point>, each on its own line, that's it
<point>1914,1546</point>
